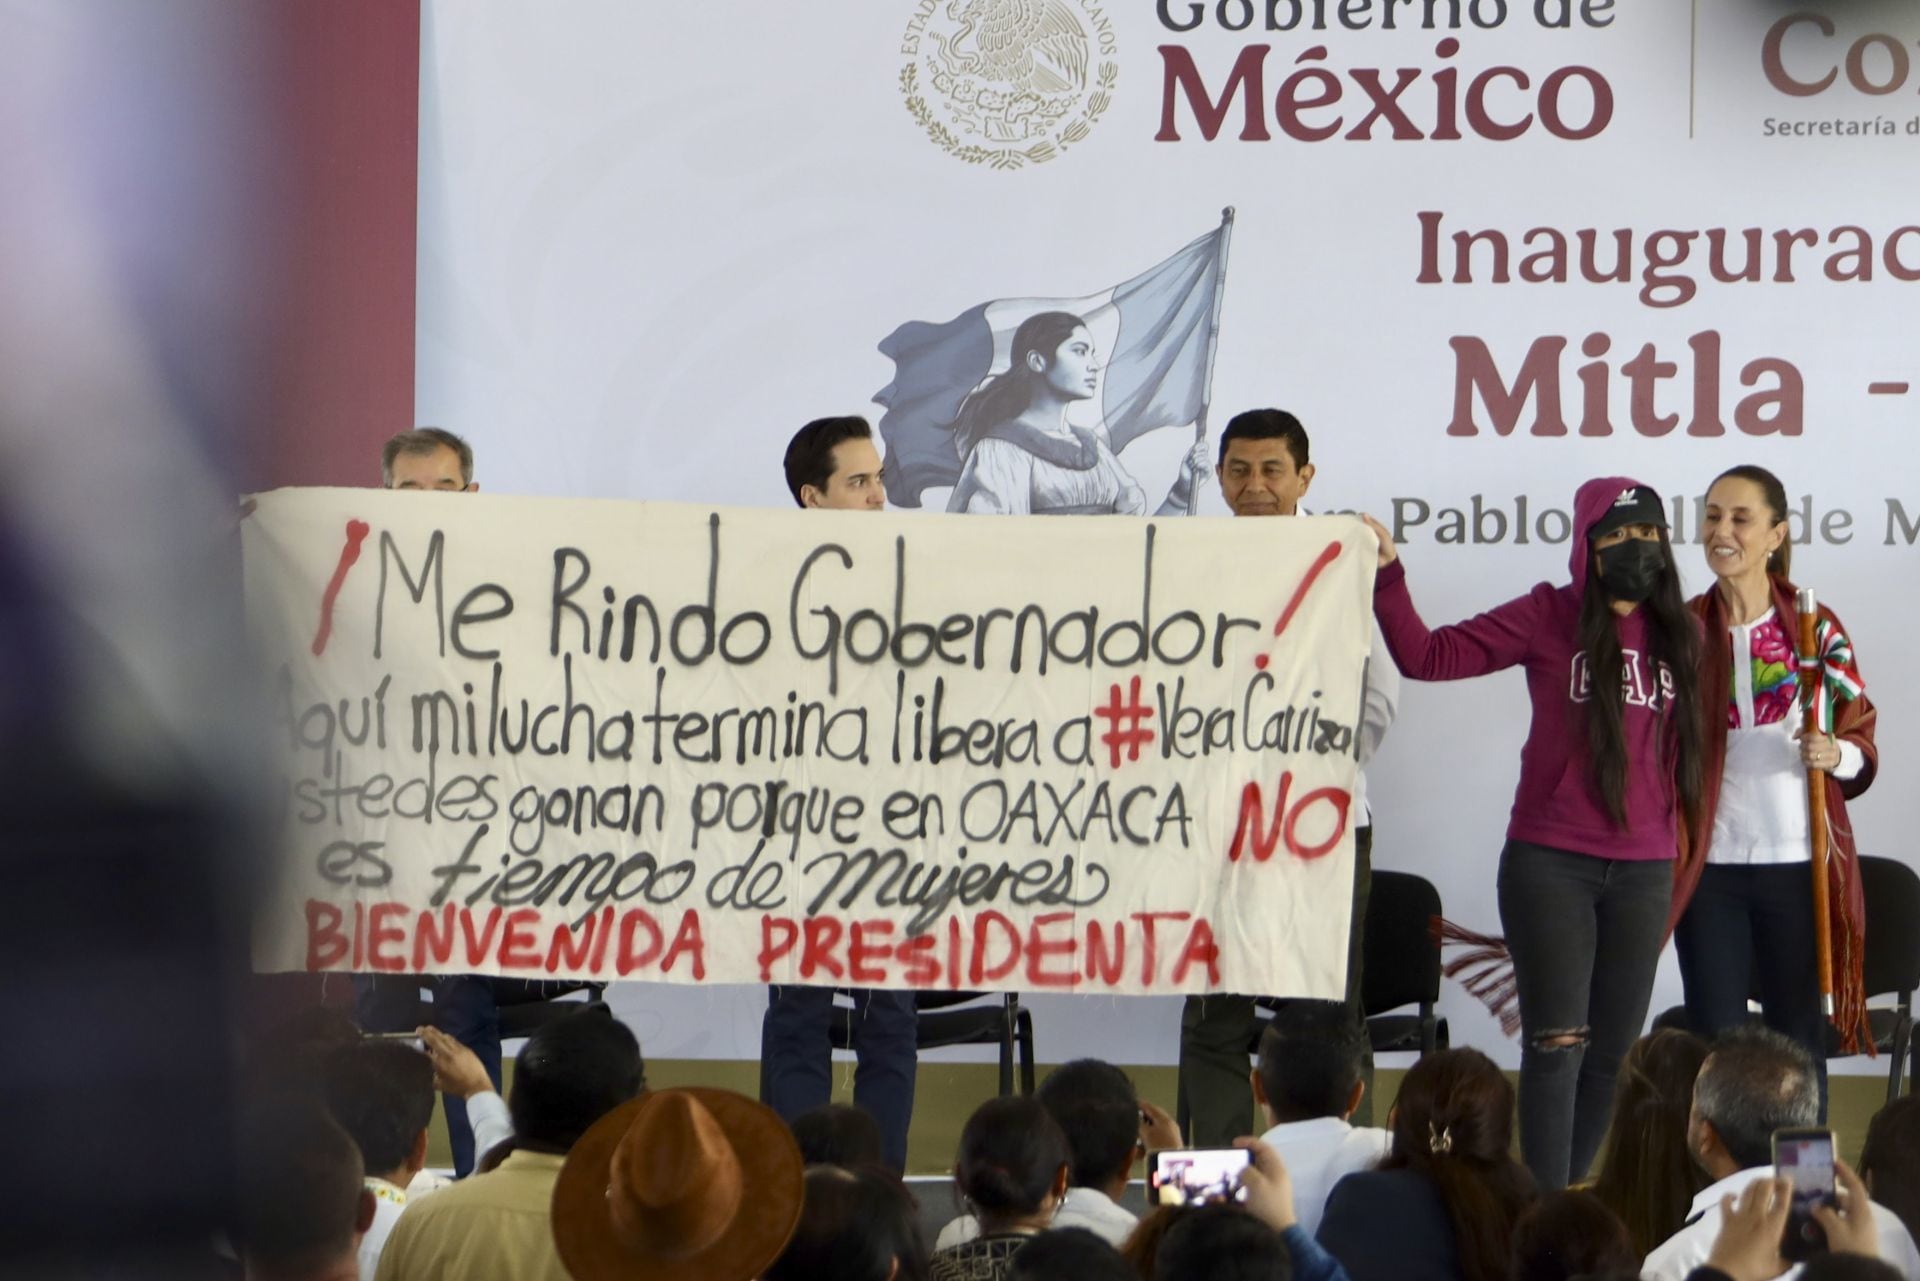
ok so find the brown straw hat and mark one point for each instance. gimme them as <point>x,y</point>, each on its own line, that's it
<point>679,1185</point>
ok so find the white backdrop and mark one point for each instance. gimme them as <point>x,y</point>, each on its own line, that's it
<point>655,239</point>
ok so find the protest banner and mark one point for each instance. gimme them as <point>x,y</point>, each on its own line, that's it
<point>664,742</point>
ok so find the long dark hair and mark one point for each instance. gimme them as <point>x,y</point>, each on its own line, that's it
<point>1890,1161</point>
<point>1649,1177</point>
<point>1453,1123</point>
<point>1674,641</point>
<point>858,1224</point>
<point>1780,561</point>
<point>1571,1236</point>
<point>1007,395</point>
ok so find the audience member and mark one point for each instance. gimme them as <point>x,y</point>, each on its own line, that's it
<point>1755,1081</point>
<point>1890,1161</point>
<point>1012,1172</point>
<point>679,1185</point>
<point>1108,1126</point>
<point>381,1094</point>
<point>300,1201</point>
<point>1269,1201</point>
<point>1309,1082</point>
<point>1647,1175</point>
<point>1222,1242</point>
<point>1443,1203</point>
<point>856,1224</point>
<point>1753,1225</point>
<point>571,1073</point>
<point>1141,1249</point>
<point>1269,1198</point>
<point>1572,1236</point>
<point>458,1073</point>
<point>1068,1254</point>
<point>836,1134</point>
<point>1834,1266</point>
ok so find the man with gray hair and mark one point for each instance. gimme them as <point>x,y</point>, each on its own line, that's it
<point>430,458</point>
<point>1755,1081</point>
<point>465,1006</point>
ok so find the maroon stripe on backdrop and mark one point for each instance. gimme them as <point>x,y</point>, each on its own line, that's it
<point>344,371</point>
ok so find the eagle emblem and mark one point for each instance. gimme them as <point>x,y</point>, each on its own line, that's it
<point>1008,82</point>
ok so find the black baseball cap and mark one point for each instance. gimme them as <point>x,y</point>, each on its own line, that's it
<point>1636,505</point>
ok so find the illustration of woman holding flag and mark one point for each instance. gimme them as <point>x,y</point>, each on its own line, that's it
<point>1019,453</point>
<point>1743,898</point>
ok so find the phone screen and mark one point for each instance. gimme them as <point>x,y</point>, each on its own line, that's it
<point>1193,1176</point>
<point>1805,1159</point>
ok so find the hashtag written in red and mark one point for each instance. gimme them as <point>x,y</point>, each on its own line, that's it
<point>1124,722</point>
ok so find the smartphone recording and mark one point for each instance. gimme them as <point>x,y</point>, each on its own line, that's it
<point>1805,1159</point>
<point>1195,1176</point>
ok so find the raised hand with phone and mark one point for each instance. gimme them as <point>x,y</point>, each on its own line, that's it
<point>1762,1230</point>
<point>1755,1119</point>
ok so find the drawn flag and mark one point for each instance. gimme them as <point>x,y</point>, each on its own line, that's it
<point>1155,333</point>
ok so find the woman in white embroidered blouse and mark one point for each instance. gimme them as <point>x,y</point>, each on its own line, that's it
<point>1748,927</point>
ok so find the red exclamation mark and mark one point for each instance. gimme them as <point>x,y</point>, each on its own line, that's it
<point>357,531</point>
<point>1326,558</point>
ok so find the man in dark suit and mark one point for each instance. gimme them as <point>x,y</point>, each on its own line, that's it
<point>831,464</point>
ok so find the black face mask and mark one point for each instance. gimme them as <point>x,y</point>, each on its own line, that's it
<point>1629,571</point>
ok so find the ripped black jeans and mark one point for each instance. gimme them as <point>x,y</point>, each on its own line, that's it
<point>1584,933</point>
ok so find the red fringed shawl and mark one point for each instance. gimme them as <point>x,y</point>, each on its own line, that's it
<point>1852,720</point>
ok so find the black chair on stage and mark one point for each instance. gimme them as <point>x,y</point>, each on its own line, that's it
<point>1891,967</point>
<point>524,1008</point>
<point>1402,967</point>
<point>524,1017</point>
<point>963,1018</point>
<point>1892,962</point>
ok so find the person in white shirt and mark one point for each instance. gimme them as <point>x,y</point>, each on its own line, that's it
<point>1756,1081</point>
<point>1265,471</point>
<point>498,1225</point>
<point>381,1094</point>
<point>1108,1127</point>
<point>1308,1085</point>
<point>1753,1225</point>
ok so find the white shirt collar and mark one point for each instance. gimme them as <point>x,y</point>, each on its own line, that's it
<point>1735,1183</point>
<point>1312,1126</point>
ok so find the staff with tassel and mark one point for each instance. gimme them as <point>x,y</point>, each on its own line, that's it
<point>1812,695</point>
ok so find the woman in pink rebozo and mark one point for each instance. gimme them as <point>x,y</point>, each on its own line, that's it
<point>1612,762</point>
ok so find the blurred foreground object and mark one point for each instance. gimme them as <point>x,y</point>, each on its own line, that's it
<point>154,307</point>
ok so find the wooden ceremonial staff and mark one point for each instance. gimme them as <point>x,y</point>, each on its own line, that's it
<point>1812,683</point>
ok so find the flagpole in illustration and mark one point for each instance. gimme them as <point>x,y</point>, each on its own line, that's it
<point>1213,342</point>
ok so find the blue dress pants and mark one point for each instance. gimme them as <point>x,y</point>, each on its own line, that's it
<point>797,1056</point>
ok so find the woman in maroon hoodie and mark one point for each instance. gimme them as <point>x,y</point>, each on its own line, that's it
<point>1612,762</point>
